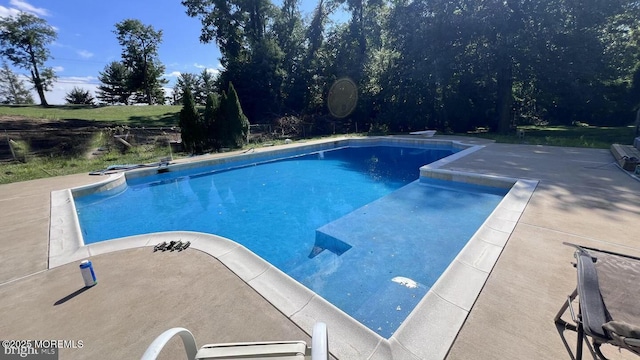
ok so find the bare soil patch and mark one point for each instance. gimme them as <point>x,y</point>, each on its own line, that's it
<point>69,136</point>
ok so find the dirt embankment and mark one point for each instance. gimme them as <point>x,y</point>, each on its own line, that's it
<point>68,137</point>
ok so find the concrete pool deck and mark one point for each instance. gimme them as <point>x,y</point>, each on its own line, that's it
<point>582,197</point>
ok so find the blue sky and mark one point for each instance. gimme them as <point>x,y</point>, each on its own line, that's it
<point>86,42</point>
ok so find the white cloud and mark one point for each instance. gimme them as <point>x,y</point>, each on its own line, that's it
<point>63,85</point>
<point>174,74</point>
<point>84,54</point>
<point>78,79</point>
<point>210,70</point>
<point>168,92</point>
<point>26,7</point>
<point>58,69</point>
<point>8,12</point>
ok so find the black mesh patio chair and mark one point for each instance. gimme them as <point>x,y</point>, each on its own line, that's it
<point>608,293</point>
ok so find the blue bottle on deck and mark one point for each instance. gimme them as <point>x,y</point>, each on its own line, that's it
<point>89,277</point>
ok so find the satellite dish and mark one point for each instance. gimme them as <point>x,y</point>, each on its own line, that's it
<point>343,97</point>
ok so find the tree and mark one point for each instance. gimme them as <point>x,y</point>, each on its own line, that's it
<point>251,57</point>
<point>23,40</point>
<point>238,124</point>
<point>79,96</point>
<point>201,86</point>
<point>289,32</point>
<point>308,87</point>
<point>190,124</point>
<point>211,110</point>
<point>221,128</point>
<point>463,64</point>
<point>206,86</point>
<point>452,65</point>
<point>140,55</point>
<point>185,81</point>
<point>12,90</point>
<point>114,88</point>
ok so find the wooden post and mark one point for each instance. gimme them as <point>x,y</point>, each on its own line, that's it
<point>13,153</point>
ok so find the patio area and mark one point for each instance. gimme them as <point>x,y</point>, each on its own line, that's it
<point>582,197</point>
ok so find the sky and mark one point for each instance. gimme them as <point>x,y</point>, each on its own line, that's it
<point>86,42</point>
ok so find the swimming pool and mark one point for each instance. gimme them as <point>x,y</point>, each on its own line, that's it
<point>429,330</point>
<point>351,223</point>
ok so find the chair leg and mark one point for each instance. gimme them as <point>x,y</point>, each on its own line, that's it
<point>567,305</point>
<point>580,341</point>
<point>596,348</point>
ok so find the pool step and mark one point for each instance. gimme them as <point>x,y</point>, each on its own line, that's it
<point>407,218</point>
<point>316,269</point>
<point>397,217</point>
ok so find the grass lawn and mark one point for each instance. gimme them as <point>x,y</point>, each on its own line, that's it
<point>155,115</point>
<point>570,136</point>
<point>42,167</point>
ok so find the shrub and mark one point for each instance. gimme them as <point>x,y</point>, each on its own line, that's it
<point>20,150</point>
<point>190,124</point>
<point>378,129</point>
<point>238,122</point>
<point>231,125</point>
<point>289,126</point>
<point>211,124</point>
<point>79,96</point>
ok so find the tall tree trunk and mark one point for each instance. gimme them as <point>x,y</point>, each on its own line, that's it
<point>35,76</point>
<point>505,95</point>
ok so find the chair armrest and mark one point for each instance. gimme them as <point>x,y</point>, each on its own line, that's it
<point>319,342</point>
<point>591,306</point>
<point>158,344</point>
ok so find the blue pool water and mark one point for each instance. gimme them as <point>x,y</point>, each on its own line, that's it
<point>352,224</point>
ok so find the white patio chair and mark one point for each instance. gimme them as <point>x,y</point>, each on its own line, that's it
<point>271,350</point>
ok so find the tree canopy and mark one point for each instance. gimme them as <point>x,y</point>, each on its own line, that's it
<point>453,65</point>
<point>115,87</point>
<point>12,89</point>
<point>23,41</point>
<point>140,56</point>
<point>190,124</point>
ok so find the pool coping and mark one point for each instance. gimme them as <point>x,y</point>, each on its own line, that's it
<point>446,305</point>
